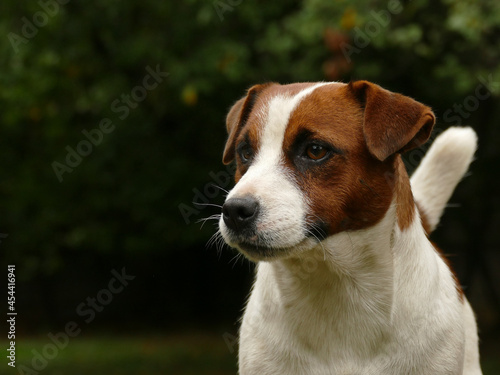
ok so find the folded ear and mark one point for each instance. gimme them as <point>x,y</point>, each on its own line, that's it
<point>393,123</point>
<point>237,118</point>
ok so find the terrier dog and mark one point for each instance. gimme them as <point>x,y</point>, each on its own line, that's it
<point>347,280</point>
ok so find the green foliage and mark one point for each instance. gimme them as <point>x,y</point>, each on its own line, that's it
<point>125,195</point>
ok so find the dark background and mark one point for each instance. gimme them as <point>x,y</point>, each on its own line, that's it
<point>131,201</point>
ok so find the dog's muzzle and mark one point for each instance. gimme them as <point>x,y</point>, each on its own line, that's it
<point>240,215</point>
<point>246,226</point>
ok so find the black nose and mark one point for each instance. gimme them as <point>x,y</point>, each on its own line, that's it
<point>240,213</point>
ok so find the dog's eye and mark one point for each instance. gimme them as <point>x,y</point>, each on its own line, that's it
<point>316,152</point>
<point>246,153</point>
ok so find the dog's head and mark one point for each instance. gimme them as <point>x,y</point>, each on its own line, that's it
<point>312,160</point>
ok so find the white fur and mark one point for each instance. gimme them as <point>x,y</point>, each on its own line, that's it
<point>367,302</point>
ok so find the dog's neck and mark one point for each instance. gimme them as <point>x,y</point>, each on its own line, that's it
<point>346,284</point>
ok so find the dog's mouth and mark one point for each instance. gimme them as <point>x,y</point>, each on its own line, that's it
<point>260,252</point>
<point>254,251</point>
<point>263,246</point>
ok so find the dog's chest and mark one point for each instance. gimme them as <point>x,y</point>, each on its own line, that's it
<point>311,329</point>
<point>342,327</point>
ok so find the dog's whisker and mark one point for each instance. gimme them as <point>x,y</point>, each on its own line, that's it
<point>212,240</point>
<point>235,259</point>
<point>215,217</point>
<point>217,241</point>
<point>220,187</point>
<point>211,217</point>
<point>220,243</point>
<point>311,232</point>
<point>316,227</point>
<point>207,204</point>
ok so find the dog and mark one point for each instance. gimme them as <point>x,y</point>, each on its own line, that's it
<point>347,280</point>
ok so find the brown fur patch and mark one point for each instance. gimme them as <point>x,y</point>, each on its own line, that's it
<point>249,125</point>
<point>405,209</point>
<point>348,191</point>
<point>393,122</point>
<point>237,118</point>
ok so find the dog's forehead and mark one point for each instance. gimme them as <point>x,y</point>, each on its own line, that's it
<point>267,99</point>
<point>271,113</point>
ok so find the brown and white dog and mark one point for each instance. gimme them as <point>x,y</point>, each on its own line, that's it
<point>347,279</point>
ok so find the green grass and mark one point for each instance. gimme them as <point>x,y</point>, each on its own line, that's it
<point>188,354</point>
<point>176,355</point>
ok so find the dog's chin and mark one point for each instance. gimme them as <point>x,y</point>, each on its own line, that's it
<point>256,253</point>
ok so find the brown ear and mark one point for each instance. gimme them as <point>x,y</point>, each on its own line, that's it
<point>237,118</point>
<point>232,121</point>
<point>392,122</point>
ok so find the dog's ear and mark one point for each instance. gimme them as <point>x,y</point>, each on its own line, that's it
<point>232,121</point>
<point>236,119</point>
<point>393,123</point>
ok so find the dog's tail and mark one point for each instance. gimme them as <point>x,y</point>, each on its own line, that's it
<point>440,171</point>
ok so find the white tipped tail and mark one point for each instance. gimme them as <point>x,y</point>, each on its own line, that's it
<point>441,170</point>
